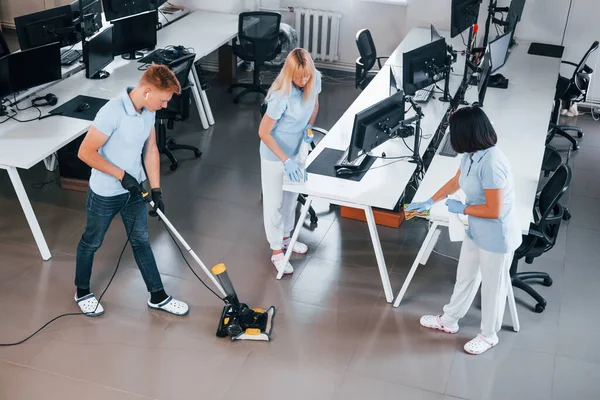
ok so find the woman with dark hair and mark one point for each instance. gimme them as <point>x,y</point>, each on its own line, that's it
<point>493,234</point>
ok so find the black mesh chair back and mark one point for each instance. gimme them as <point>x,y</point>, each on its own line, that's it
<point>179,103</point>
<point>549,211</point>
<point>4,50</point>
<point>258,34</point>
<point>366,49</point>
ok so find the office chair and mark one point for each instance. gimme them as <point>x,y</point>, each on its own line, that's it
<point>367,59</point>
<point>258,41</point>
<point>550,163</point>
<point>569,91</point>
<point>548,214</point>
<point>4,50</point>
<point>177,110</point>
<point>301,198</point>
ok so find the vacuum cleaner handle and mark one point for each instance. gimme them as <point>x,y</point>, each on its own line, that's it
<point>148,199</point>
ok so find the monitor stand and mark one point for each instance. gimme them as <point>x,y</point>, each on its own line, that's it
<point>134,55</point>
<point>101,75</point>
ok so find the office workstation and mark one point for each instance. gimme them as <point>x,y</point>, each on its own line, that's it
<point>348,302</point>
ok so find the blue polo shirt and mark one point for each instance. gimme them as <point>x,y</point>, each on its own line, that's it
<point>490,169</point>
<point>127,132</point>
<point>291,114</point>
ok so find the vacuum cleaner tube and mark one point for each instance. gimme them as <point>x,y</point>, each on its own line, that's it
<point>220,272</point>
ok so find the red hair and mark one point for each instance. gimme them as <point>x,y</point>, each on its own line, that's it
<point>161,78</point>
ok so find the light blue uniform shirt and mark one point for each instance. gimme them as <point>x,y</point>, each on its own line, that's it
<point>127,132</point>
<point>489,169</point>
<point>291,114</point>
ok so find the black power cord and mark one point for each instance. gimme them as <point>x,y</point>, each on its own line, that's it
<point>80,312</point>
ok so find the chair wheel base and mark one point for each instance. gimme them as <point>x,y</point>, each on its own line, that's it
<point>566,216</point>
<point>539,307</point>
<point>173,167</point>
<point>579,135</point>
<point>548,282</point>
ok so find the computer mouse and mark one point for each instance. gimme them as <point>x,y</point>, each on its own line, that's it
<point>82,107</point>
<point>344,171</point>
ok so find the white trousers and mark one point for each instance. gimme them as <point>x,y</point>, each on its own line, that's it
<point>279,207</point>
<point>491,270</point>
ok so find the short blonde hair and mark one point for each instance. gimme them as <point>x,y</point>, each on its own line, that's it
<point>297,63</point>
<point>162,78</point>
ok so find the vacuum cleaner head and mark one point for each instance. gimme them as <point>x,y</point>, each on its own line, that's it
<point>238,321</point>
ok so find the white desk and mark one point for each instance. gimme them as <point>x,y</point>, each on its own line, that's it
<point>23,145</point>
<point>384,183</point>
<point>520,116</point>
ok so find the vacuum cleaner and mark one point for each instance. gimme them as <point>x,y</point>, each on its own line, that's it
<point>238,320</point>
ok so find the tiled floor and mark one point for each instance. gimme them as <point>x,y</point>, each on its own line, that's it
<point>335,337</point>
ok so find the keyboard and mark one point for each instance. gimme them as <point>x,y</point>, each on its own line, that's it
<point>68,57</point>
<point>357,163</point>
<point>423,95</point>
<point>447,149</point>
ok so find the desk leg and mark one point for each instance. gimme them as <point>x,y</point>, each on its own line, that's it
<point>203,98</point>
<point>29,214</point>
<point>385,276</point>
<point>413,269</point>
<point>294,238</point>
<point>512,306</point>
<point>197,99</point>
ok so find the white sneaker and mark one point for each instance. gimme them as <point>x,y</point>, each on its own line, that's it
<point>564,111</point>
<point>480,345</point>
<point>277,261</point>
<point>299,248</point>
<point>171,306</point>
<point>89,305</point>
<point>434,322</point>
<point>574,110</point>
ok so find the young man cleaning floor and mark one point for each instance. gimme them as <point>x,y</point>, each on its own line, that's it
<point>122,131</point>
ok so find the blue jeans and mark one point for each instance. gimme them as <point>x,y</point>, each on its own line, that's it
<point>100,212</point>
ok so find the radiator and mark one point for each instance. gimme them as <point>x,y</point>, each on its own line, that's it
<point>318,32</point>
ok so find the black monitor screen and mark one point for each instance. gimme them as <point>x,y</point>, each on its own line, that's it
<point>514,15</point>
<point>134,33</point>
<point>464,13</point>
<point>45,27</point>
<point>368,132</point>
<point>115,9</point>
<point>499,50</point>
<point>25,67</point>
<point>484,77</point>
<point>4,78</point>
<point>421,66</point>
<point>98,52</point>
<point>92,13</point>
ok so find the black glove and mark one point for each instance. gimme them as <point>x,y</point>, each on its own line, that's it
<point>158,203</point>
<point>130,184</point>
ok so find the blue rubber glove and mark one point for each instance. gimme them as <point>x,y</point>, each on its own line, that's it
<point>420,206</point>
<point>308,138</point>
<point>455,206</point>
<point>293,170</point>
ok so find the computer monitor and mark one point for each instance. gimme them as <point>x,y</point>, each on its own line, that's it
<point>423,66</point>
<point>499,51</point>
<point>115,9</point>
<point>484,76</point>
<point>98,53</point>
<point>515,11</point>
<point>464,13</point>
<point>435,35</point>
<point>58,24</point>
<point>372,125</point>
<point>45,27</point>
<point>92,15</point>
<point>134,33</point>
<point>25,69</point>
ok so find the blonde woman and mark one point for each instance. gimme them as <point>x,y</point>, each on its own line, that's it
<point>292,106</point>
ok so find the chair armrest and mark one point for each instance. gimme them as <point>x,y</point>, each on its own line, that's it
<point>320,130</point>
<point>569,62</point>
<point>379,60</point>
<point>535,232</point>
